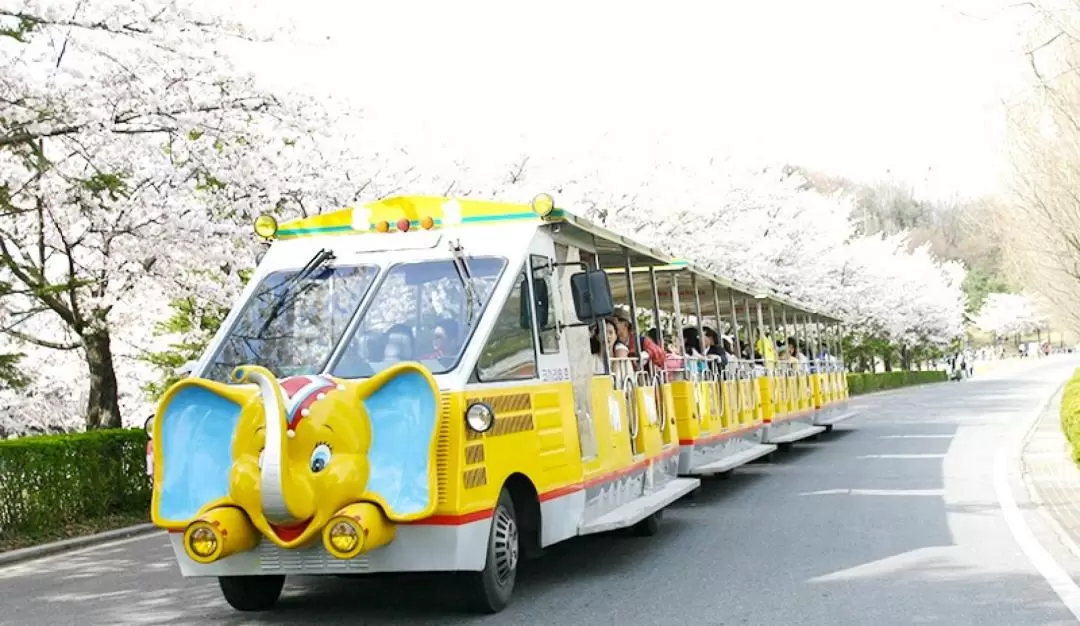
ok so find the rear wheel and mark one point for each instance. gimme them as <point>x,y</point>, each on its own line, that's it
<point>489,591</point>
<point>649,526</point>
<point>251,593</point>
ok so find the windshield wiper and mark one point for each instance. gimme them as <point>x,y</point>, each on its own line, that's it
<point>316,263</point>
<point>461,265</point>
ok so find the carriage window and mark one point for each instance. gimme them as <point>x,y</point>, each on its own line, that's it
<point>509,353</point>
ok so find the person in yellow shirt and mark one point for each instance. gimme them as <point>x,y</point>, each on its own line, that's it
<point>766,349</point>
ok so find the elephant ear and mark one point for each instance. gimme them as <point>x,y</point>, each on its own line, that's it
<point>193,434</point>
<point>402,406</point>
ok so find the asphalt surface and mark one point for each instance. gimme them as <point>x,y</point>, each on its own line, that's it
<point>890,519</point>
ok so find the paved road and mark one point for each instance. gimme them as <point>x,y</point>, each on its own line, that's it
<point>892,519</point>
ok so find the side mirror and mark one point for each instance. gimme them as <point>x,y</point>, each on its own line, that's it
<point>148,426</point>
<point>591,292</point>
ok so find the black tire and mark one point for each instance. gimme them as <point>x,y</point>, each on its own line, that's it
<point>828,428</point>
<point>648,526</point>
<point>251,593</point>
<point>489,591</point>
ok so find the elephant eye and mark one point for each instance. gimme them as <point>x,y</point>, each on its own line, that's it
<point>320,457</point>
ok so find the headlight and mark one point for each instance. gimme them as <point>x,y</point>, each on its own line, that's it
<point>479,417</point>
<point>203,541</point>
<point>344,536</point>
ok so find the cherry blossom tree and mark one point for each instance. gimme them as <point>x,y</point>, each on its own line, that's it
<point>132,155</point>
<point>767,228</point>
<point>1009,314</point>
<point>1039,219</point>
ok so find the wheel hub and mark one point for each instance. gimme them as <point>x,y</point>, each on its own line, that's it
<point>506,546</point>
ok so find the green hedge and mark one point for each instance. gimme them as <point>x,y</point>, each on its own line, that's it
<point>880,381</point>
<point>1070,413</point>
<point>51,483</point>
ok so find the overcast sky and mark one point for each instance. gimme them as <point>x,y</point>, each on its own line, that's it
<point>856,87</point>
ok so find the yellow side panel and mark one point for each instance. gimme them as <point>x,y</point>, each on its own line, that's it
<point>533,435</point>
<point>730,419</point>
<point>686,415</point>
<point>649,440</point>
<point>671,427</point>
<point>767,405</point>
<point>815,382</point>
<point>613,442</point>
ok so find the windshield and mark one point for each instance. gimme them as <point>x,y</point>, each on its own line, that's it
<point>424,311</point>
<point>292,322</point>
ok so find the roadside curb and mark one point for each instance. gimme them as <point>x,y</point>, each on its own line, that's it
<point>1008,480</point>
<point>1036,495</point>
<point>12,557</point>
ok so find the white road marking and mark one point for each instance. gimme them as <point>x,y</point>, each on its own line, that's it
<point>938,493</point>
<point>901,456</point>
<point>1056,575</point>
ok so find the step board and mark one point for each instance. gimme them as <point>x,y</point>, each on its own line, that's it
<point>633,512</point>
<point>802,433</point>
<point>828,420</point>
<point>735,460</point>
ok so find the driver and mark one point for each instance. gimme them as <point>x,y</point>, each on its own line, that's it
<point>444,340</point>
<point>399,343</point>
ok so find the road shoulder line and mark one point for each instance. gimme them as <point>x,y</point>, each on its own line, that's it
<point>1008,455</point>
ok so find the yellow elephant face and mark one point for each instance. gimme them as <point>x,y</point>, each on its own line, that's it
<point>293,453</point>
<point>295,467</point>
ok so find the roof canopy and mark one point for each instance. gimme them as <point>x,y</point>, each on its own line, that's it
<point>614,251</point>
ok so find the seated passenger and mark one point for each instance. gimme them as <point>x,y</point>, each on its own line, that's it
<point>445,340</point>
<point>615,348</point>
<point>692,343</point>
<point>650,343</point>
<point>624,328</point>
<point>674,362</point>
<point>711,343</point>
<point>791,351</point>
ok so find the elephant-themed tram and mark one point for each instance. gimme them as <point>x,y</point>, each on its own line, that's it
<point>428,384</point>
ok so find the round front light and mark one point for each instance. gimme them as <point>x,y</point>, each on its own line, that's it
<point>266,226</point>
<point>479,417</point>
<point>543,205</point>
<point>344,536</point>
<point>203,541</point>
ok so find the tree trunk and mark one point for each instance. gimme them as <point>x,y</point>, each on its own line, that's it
<point>103,405</point>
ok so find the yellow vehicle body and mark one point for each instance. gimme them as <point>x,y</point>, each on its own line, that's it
<point>418,464</point>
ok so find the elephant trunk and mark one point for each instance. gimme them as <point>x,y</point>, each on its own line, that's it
<point>286,499</point>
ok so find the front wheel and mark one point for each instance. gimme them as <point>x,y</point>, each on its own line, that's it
<point>489,591</point>
<point>251,593</point>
